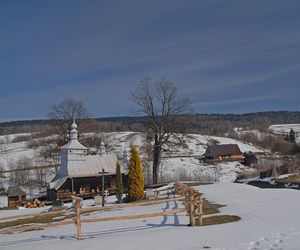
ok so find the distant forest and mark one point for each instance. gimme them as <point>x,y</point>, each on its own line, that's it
<point>210,124</point>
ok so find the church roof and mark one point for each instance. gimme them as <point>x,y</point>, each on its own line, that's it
<point>57,182</point>
<point>91,167</point>
<point>74,144</point>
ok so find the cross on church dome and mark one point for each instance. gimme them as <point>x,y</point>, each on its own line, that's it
<point>74,125</point>
<point>73,132</point>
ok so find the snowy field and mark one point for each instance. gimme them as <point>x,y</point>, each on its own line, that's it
<point>285,128</point>
<point>270,219</point>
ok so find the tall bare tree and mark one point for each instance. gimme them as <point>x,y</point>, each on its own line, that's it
<point>159,102</point>
<point>63,113</point>
<point>20,172</point>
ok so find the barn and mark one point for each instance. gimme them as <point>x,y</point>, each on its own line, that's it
<point>80,174</point>
<point>223,151</point>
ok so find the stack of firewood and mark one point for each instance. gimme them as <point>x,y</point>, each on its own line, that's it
<point>35,203</point>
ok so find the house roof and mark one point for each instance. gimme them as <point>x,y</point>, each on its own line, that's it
<point>15,191</point>
<point>223,150</point>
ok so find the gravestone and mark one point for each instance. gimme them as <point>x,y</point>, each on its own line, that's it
<point>57,205</point>
<point>98,200</point>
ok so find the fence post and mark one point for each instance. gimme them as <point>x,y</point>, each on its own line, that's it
<point>199,221</point>
<point>192,207</point>
<point>192,202</point>
<point>78,223</point>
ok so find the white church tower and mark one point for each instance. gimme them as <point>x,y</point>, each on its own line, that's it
<point>73,154</point>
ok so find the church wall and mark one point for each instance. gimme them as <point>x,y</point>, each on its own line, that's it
<point>84,187</point>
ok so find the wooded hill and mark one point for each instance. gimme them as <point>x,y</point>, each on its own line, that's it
<point>211,124</point>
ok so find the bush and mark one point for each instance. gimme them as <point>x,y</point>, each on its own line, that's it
<point>119,183</point>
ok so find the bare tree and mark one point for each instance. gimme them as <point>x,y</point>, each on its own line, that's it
<point>63,113</point>
<point>2,169</point>
<point>20,173</point>
<point>162,108</point>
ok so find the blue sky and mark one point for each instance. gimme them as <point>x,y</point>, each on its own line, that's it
<point>226,56</point>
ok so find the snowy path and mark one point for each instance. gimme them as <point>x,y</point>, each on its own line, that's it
<point>270,220</point>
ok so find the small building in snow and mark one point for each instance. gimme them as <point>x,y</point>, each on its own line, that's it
<point>224,151</point>
<point>16,197</point>
<point>80,174</point>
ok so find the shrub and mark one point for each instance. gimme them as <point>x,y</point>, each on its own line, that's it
<point>119,183</point>
<point>135,176</point>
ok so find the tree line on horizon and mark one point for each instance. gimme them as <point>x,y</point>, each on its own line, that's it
<point>210,124</point>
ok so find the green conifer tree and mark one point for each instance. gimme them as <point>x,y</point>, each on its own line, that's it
<point>135,176</point>
<point>119,183</point>
<point>292,135</point>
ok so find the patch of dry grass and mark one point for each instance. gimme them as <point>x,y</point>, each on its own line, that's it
<point>210,208</point>
<point>37,219</point>
<point>295,179</point>
<point>8,208</point>
<point>220,219</point>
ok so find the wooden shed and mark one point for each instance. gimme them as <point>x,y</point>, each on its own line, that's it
<point>16,197</point>
<point>221,151</point>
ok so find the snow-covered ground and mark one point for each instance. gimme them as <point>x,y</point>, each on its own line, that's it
<point>3,201</point>
<point>285,128</point>
<point>191,169</point>
<point>269,220</point>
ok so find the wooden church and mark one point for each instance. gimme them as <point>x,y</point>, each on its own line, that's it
<point>80,173</point>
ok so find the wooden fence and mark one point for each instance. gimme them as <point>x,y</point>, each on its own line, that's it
<point>191,198</point>
<point>124,217</point>
<point>192,202</point>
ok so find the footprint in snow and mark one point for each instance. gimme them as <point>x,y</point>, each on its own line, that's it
<point>252,243</point>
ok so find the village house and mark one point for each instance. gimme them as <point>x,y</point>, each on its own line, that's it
<point>223,151</point>
<point>80,173</point>
<point>16,197</point>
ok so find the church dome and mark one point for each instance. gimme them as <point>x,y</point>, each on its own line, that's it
<point>74,125</point>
